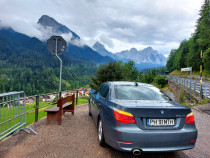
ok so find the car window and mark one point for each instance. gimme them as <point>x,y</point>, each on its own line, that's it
<point>99,89</point>
<point>104,91</point>
<point>137,93</point>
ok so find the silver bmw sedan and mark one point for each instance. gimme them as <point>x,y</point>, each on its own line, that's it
<point>138,117</point>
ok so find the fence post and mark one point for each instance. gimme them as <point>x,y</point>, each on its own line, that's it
<point>195,89</point>
<point>201,92</point>
<point>77,98</point>
<point>60,94</point>
<point>37,108</point>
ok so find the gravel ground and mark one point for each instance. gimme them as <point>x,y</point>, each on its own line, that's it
<point>202,146</point>
<point>204,108</point>
<point>77,137</point>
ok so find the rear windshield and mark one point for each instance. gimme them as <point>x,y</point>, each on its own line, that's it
<point>138,93</point>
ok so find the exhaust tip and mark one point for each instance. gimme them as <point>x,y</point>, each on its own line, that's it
<point>136,152</point>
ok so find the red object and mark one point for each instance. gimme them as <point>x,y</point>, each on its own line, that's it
<point>124,118</point>
<point>126,142</point>
<point>190,118</point>
<point>193,140</point>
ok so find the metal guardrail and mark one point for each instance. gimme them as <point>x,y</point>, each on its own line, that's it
<point>193,87</point>
<point>13,114</point>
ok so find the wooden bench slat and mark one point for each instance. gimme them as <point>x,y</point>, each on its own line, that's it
<point>66,104</point>
<point>53,109</point>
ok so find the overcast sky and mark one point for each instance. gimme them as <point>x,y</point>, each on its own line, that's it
<point>118,24</point>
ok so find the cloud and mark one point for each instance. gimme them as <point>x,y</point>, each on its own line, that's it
<point>106,40</point>
<point>119,25</point>
<point>124,31</point>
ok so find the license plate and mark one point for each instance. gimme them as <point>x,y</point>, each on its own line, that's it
<point>160,122</point>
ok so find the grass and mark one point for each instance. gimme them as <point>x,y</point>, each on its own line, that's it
<point>178,72</point>
<point>166,88</point>
<point>82,101</point>
<point>195,102</point>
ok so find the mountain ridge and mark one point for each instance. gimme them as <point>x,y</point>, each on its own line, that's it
<point>147,55</point>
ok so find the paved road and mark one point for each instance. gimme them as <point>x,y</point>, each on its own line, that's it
<point>77,137</point>
<point>202,148</point>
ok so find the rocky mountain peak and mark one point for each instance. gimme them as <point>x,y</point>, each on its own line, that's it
<point>133,50</point>
<point>100,48</point>
<point>148,49</point>
<point>46,20</point>
<point>98,45</point>
<point>57,28</point>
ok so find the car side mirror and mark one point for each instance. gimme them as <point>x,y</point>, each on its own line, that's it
<point>169,95</point>
<point>92,92</point>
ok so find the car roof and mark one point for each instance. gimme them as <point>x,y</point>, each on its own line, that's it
<point>129,83</point>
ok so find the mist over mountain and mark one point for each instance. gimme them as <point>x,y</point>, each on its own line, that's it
<point>50,24</point>
<point>75,49</point>
<point>147,56</point>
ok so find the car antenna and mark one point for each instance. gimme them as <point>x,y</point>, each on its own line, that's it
<point>136,84</point>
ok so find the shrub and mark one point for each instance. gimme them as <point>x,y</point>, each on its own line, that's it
<point>161,80</point>
<point>181,96</point>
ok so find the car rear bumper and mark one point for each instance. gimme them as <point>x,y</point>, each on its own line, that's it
<point>150,140</point>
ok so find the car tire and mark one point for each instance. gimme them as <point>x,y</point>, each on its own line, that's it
<point>101,139</point>
<point>90,114</point>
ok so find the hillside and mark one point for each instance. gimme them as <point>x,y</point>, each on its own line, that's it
<point>25,64</point>
<point>188,53</point>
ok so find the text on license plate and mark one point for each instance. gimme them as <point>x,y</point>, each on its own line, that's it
<point>160,122</point>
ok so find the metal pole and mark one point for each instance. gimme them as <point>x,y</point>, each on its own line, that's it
<point>77,98</point>
<point>37,108</point>
<point>195,89</point>
<point>190,84</point>
<point>56,53</point>
<point>201,90</point>
<point>24,107</point>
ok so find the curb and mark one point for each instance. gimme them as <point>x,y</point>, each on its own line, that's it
<point>81,105</point>
<point>195,108</point>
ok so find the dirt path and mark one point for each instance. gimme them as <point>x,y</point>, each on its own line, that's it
<point>76,137</point>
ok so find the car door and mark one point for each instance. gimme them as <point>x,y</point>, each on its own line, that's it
<point>95,103</point>
<point>101,102</point>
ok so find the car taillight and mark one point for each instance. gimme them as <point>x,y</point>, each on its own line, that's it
<point>123,117</point>
<point>189,118</point>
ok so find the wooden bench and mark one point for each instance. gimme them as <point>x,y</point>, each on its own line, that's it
<point>63,105</point>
